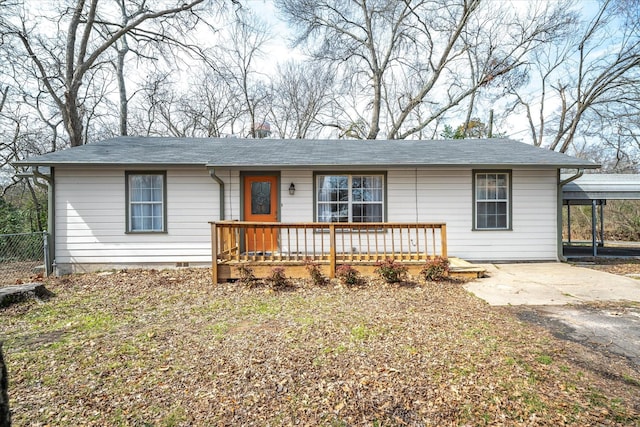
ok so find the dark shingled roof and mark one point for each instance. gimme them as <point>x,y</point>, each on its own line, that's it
<point>277,153</point>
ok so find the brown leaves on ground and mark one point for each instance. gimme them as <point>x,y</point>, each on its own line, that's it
<point>621,266</point>
<point>169,348</point>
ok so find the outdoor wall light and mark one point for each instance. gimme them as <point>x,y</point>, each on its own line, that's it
<point>292,189</point>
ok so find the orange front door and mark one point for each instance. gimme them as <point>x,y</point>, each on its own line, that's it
<point>261,205</point>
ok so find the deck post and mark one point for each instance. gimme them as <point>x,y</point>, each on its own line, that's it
<point>214,253</point>
<point>332,251</point>
<point>443,240</point>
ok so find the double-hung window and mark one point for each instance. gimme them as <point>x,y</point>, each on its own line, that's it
<point>146,202</point>
<point>492,194</point>
<point>350,198</point>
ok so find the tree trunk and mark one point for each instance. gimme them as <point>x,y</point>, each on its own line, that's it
<point>5,414</point>
<point>73,122</point>
<point>122,89</point>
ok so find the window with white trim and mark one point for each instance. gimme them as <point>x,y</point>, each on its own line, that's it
<point>492,194</point>
<point>146,194</point>
<point>350,198</point>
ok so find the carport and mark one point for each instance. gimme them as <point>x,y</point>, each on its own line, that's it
<point>594,190</point>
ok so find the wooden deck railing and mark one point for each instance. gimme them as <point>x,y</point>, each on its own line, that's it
<point>258,243</point>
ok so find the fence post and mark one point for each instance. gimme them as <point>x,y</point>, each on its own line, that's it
<point>47,256</point>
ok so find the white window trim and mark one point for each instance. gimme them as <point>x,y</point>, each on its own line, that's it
<point>350,200</point>
<point>129,202</point>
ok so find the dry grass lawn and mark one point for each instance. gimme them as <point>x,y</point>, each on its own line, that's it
<point>149,348</point>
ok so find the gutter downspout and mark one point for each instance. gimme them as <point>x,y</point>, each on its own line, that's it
<point>561,184</point>
<point>51,212</point>
<point>217,179</point>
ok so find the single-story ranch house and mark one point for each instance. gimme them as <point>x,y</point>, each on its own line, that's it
<point>155,202</point>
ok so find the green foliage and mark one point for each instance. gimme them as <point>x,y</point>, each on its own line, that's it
<point>277,280</point>
<point>315,272</point>
<point>247,277</point>
<point>20,213</point>
<point>435,269</point>
<point>390,271</point>
<point>348,275</point>
<point>474,129</point>
<point>10,219</point>
<point>450,133</point>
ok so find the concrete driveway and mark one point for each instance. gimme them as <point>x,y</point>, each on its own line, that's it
<point>551,283</point>
<point>555,296</point>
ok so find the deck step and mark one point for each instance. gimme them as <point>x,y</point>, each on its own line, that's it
<point>464,269</point>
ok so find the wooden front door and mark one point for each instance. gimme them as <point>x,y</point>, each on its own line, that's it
<point>261,205</point>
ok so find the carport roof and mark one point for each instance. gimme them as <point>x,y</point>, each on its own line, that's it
<point>305,153</point>
<point>603,187</point>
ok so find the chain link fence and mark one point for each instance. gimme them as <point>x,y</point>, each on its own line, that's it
<point>22,258</point>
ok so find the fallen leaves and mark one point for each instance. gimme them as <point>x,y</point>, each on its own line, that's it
<point>169,348</point>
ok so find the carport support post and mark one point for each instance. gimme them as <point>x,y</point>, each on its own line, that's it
<point>602,223</point>
<point>569,220</point>
<point>594,227</point>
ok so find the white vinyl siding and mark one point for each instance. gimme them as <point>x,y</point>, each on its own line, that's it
<point>299,206</point>
<point>90,207</point>
<point>91,221</point>
<point>445,195</point>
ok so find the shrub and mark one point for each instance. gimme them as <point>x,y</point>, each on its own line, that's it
<point>247,278</point>
<point>314,271</point>
<point>277,279</point>
<point>348,275</point>
<point>435,269</point>
<point>391,271</point>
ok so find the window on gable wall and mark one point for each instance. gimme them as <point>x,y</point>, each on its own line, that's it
<point>350,198</point>
<point>146,198</point>
<point>492,200</point>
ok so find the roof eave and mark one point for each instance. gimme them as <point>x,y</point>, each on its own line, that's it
<point>404,166</point>
<point>105,164</point>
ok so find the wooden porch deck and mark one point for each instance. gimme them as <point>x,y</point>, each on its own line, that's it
<point>263,246</point>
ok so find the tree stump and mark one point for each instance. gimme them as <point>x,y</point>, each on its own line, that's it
<point>17,293</point>
<point>5,414</point>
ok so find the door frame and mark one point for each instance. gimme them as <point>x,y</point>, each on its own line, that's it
<point>260,173</point>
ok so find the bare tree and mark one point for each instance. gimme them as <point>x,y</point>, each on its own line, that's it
<point>302,93</point>
<point>361,38</point>
<point>62,69</point>
<point>212,105</point>
<point>594,76</point>
<point>235,61</point>
<point>483,44</point>
<point>414,61</point>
